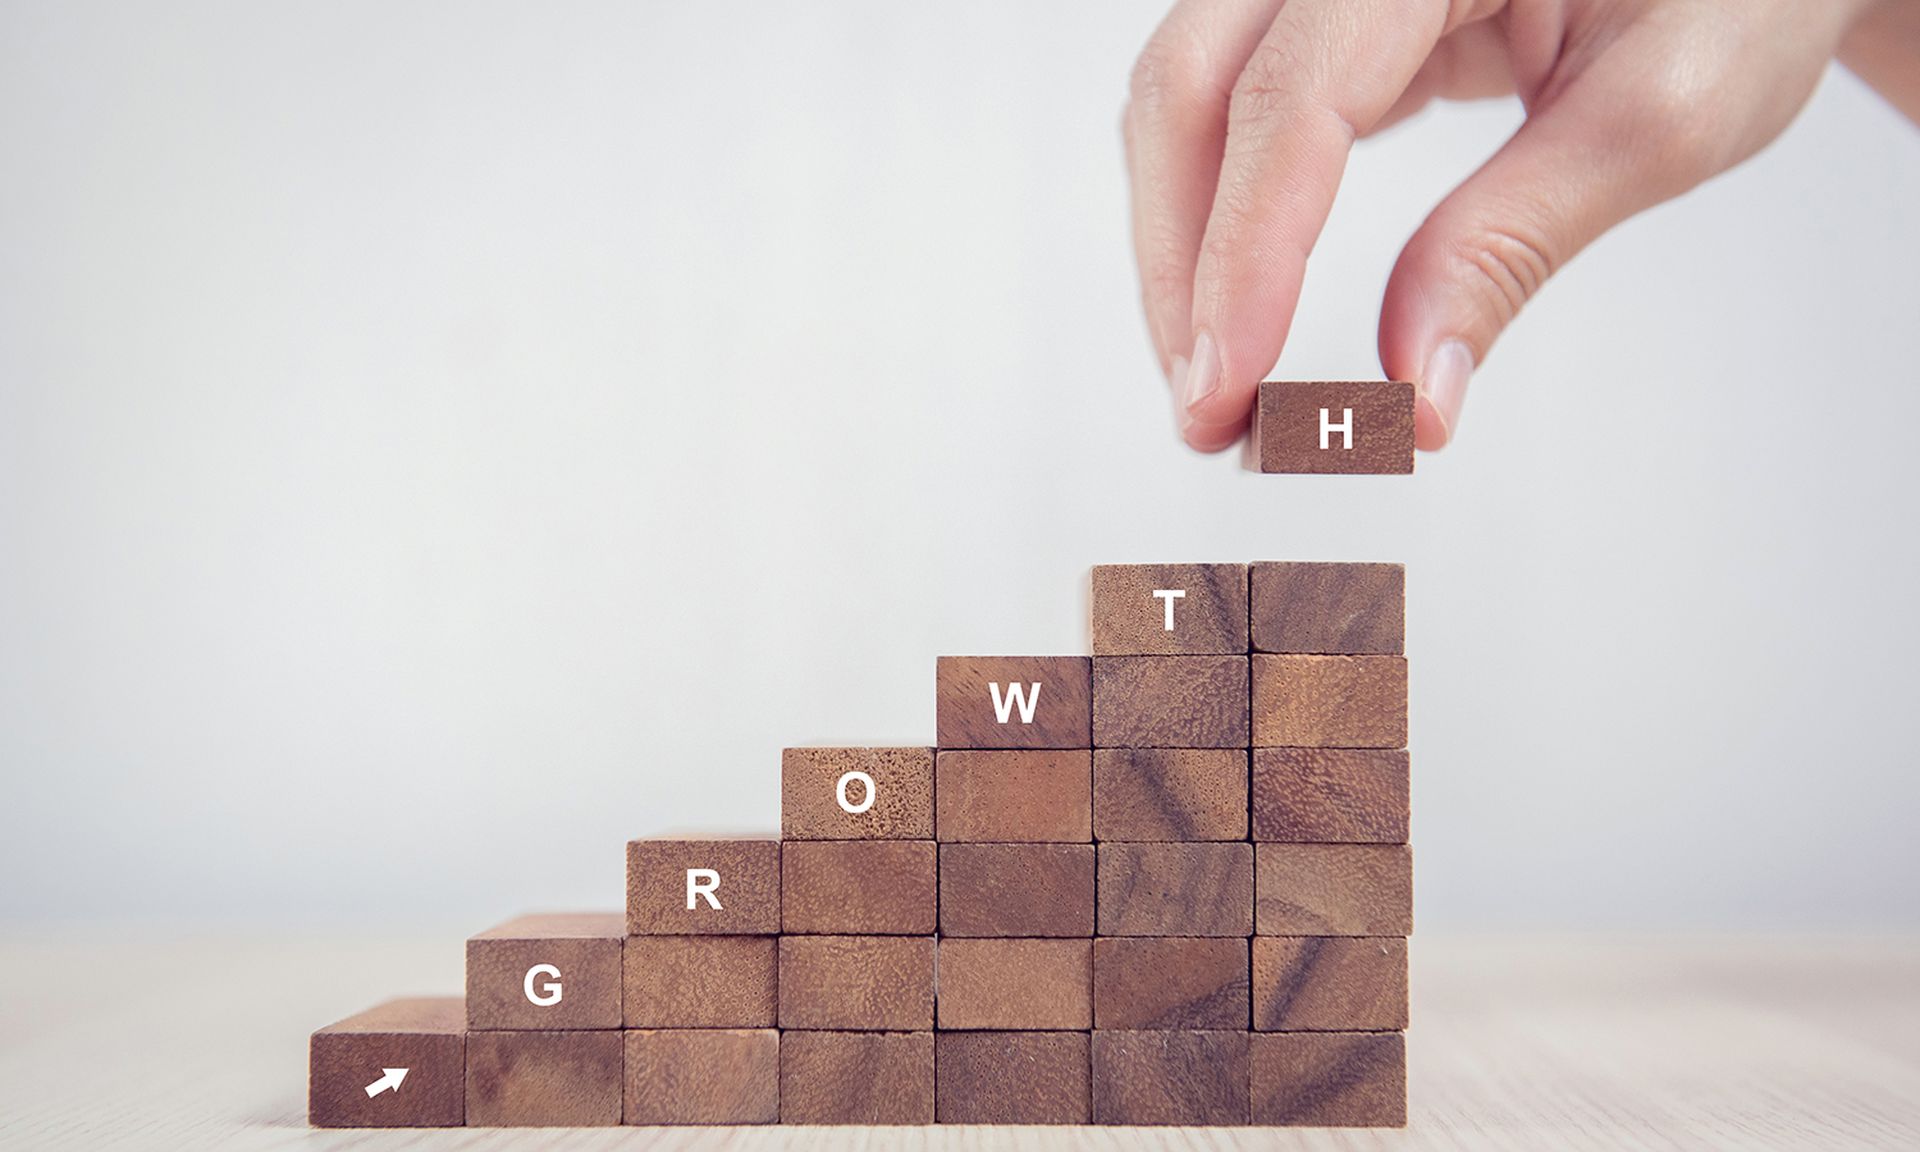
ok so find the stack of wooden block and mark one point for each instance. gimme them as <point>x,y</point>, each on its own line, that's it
<point>1167,884</point>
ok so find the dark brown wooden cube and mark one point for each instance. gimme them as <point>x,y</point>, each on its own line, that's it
<point>1334,427</point>
<point>703,1076</point>
<point>1333,890</point>
<point>703,887</point>
<point>1144,794</point>
<point>1015,984</point>
<point>349,1082</point>
<point>856,1078</point>
<point>1188,1078</point>
<point>1013,1078</point>
<point>674,982</point>
<point>856,983</point>
<point>1330,701</point>
<point>1013,796</point>
<point>1329,1079</point>
<point>1330,795</point>
<point>1014,702</point>
<point>858,887</point>
<point>1169,609</point>
<point>1329,609</point>
<point>1200,889</point>
<point>1329,983</point>
<point>553,970</point>
<point>1169,982</point>
<point>1016,889</point>
<point>1170,702</point>
<point>856,794</point>
<point>545,1079</point>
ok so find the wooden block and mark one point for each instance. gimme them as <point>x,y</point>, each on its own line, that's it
<point>1169,794</point>
<point>1170,1078</point>
<point>856,1077</point>
<point>1170,701</point>
<point>1330,795</point>
<point>1013,1078</point>
<point>1007,797</point>
<point>1169,609</point>
<point>423,1041</point>
<point>1329,983</point>
<point>1329,1079</point>
<point>1346,427</point>
<point>1330,701</point>
<point>1169,982</point>
<point>556,970</point>
<point>1329,609</point>
<point>703,887</point>
<point>1014,702</point>
<point>1333,890</point>
<point>1016,889</point>
<point>703,1076</point>
<point>673,982</point>
<point>856,983</point>
<point>856,794</point>
<point>545,1079</point>
<point>1015,984</point>
<point>858,887</point>
<point>1176,889</point>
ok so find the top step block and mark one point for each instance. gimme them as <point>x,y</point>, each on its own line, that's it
<point>1345,428</point>
<point>1329,609</point>
<point>1170,609</point>
<point>1014,702</point>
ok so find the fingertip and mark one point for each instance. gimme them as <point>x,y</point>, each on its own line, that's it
<point>1442,393</point>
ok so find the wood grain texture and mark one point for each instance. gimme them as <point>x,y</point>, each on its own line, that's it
<point>1330,795</point>
<point>1356,1079</point>
<point>1030,795</point>
<point>1287,427</point>
<point>545,1079</point>
<point>1145,794</point>
<point>425,1035</point>
<point>583,946</point>
<point>1015,984</point>
<point>1170,702</point>
<point>1170,1078</point>
<point>1061,710</point>
<point>1330,701</point>
<point>1012,1078</point>
<point>1333,890</point>
<point>1016,889</point>
<point>1328,609</point>
<point>810,807</point>
<point>1329,983</point>
<point>1209,617</point>
<point>1201,889</point>
<point>857,983</point>
<point>672,982</point>
<point>702,1076</point>
<point>748,894</point>
<point>856,1078</point>
<point>1173,982</point>
<point>858,887</point>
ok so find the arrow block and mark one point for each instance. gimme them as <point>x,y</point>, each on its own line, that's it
<point>1015,984</point>
<point>706,1076</point>
<point>1333,890</point>
<point>1330,701</point>
<point>1346,427</point>
<point>1329,983</point>
<point>1202,889</point>
<point>1014,702</point>
<point>1329,1079</point>
<point>1134,604</point>
<point>856,1078</point>
<point>1170,701</point>
<point>673,982</point>
<point>544,1079</point>
<point>824,794</point>
<point>858,887</point>
<point>856,983</point>
<point>1150,794</point>
<point>1170,1078</point>
<point>1016,889</point>
<point>424,1036</point>
<point>1034,795</point>
<point>703,887</point>
<point>554,970</point>
<point>1329,609</point>
<point>1013,1078</point>
<point>1169,982</point>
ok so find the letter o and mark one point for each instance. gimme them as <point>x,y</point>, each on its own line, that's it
<point>840,792</point>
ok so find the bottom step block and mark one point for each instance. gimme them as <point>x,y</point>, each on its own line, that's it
<point>1012,1078</point>
<point>703,1076</point>
<point>856,1077</point>
<point>398,1065</point>
<point>544,1079</point>
<point>1330,1079</point>
<point>1188,1078</point>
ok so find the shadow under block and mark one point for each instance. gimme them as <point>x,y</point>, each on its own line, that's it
<point>703,887</point>
<point>1015,985</point>
<point>1169,609</point>
<point>1016,889</point>
<point>1186,1078</point>
<point>555,970</point>
<point>1333,890</point>
<point>1329,983</point>
<point>858,887</point>
<point>1329,1079</point>
<point>426,1036</point>
<point>1330,795</point>
<point>1170,982</point>
<point>1012,1078</point>
<point>1329,609</point>
<point>1329,701</point>
<point>545,1079</point>
<point>856,1077</point>
<point>1169,794</point>
<point>707,1076</point>
<point>1014,796</point>
<point>1014,702</point>
<point>1170,702</point>
<point>1352,427</point>
<point>857,983</point>
<point>674,982</point>
<point>824,794</point>
<point>1199,889</point>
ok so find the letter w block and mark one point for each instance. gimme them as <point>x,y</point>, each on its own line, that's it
<point>1015,702</point>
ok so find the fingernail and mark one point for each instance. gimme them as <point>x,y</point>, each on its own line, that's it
<point>1203,372</point>
<point>1177,372</point>
<point>1445,382</point>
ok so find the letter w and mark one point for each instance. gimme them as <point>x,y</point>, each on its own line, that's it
<point>1003,708</point>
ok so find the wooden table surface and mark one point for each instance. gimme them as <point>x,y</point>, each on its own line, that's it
<point>142,1039</point>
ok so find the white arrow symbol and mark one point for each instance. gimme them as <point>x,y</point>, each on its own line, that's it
<point>390,1080</point>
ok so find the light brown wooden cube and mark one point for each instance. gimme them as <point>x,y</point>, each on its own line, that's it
<point>856,794</point>
<point>1200,889</point>
<point>348,1082</point>
<point>1329,1079</point>
<point>1330,701</point>
<point>1184,1078</point>
<point>858,887</point>
<point>1152,794</point>
<point>1169,609</point>
<point>703,1076</point>
<point>1014,702</point>
<point>1027,795</point>
<point>549,971</point>
<point>1330,795</point>
<point>856,983</point>
<point>1016,889</point>
<point>703,887</point>
<point>676,982</point>
<point>856,1078</point>
<point>1008,984</point>
<point>1333,890</point>
<point>1329,983</point>
<point>1170,982</point>
<point>1170,702</point>
<point>544,1079</point>
<point>1012,1078</point>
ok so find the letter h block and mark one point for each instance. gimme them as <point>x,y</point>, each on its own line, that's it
<point>1346,427</point>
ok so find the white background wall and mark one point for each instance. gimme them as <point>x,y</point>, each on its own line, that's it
<point>439,442</point>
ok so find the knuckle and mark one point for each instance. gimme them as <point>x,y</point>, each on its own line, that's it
<point>1504,266</point>
<point>1166,72</point>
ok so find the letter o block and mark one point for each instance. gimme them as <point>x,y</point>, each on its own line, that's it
<point>856,793</point>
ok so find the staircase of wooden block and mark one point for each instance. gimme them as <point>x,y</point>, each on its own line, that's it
<point>1167,884</point>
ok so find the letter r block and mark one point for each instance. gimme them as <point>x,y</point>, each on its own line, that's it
<point>673,885</point>
<point>1014,702</point>
<point>559,970</point>
<point>1368,426</point>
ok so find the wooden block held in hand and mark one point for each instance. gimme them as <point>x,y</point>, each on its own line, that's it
<point>703,887</point>
<point>856,1077</point>
<point>1146,794</point>
<point>1351,427</point>
<point>1330,795</point>
<point>1014,702</point>
<point>703,1076</point>
<point>1170,982</point>
<point>1170,702</point>
<point>1013,1078</point>
<point>1330,1079</point>
<point>1016,889</point>
<point>1333,890</point>
<point>1329,609</point>
<point>856,794</point>
<point>554,970</point>
<point>1019,796</point>
<point>858,887</point>
<point>1169,609</point>
<point>1200,889</point>
<point>1330,701</point>
<point>856,983</point>
<point>674,982</point>
<point>1170,1078</point>
<point>1329,983</point>
<point>545,1079</point>
<point>427,1036</point>
<point>1015,984</point>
